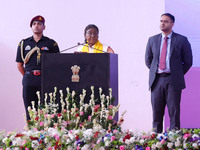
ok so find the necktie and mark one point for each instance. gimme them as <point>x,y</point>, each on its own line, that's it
<point>162,63</point>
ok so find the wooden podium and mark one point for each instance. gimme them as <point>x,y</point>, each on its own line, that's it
<point>98,70</point>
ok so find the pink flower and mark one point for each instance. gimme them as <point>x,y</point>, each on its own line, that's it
<point>110,117</point>
<point>46,115</point>
<point>162,141</point>
<point>64,111</point>
<point>41,123</point>
<point>186,136</point>
<point>78,147</point>
<point>41,112</point>
<point>52,115</point>
<point>148,148</point>
<point>80,125</point>
<point>115,131</point>
<point>145,137</point>
<point>70,131</point>
<point>110,106</point>
<point>121,147</point>
<point>24,142</point>
<point>81,113</point>
<point>112,138</point>
<point>50,148</point>
<point>89,118</point>
<point>35,129</point>
<point>57,137</point>
<point>26,148</point>
<point>98,141</point>
<point>96,107</point>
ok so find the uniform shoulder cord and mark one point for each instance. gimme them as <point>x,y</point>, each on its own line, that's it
<point>27,57</point>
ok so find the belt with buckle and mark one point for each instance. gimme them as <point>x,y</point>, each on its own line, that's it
<point>162,74</point>
<point>34,72</point>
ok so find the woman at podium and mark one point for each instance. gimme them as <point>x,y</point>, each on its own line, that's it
<point>92,44</point>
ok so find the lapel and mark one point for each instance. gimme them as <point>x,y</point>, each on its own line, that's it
<point>173,41</point>
<point>158,43</point>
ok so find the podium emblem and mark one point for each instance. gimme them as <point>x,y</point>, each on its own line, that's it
<point>75,71</point>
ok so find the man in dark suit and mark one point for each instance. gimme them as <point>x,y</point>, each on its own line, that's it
<point>168,56</point>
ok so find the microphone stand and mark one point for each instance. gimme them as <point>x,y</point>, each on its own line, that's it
<point>78,44</point>
<point>95,48</point>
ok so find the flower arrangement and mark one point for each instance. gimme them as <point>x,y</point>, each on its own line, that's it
<point>74,114</point>
<point>80,126</point>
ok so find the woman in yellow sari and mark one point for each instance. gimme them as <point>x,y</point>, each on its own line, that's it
<point>93,45</point>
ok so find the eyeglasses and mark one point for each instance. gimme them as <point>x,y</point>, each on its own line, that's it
<point>92,33</point>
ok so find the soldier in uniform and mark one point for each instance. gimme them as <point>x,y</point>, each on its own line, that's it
<point>29,60</point>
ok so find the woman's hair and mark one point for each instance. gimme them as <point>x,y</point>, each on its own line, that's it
<point>89,27</point>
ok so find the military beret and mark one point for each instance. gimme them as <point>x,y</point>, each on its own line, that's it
<point>37,18</point>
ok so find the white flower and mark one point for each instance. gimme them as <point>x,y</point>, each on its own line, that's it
<point>170,145</point>
<point>172,139</point>
<point>141,141</point>
<point>195,145</point>
<point>4,140</point>
<point>179,138</point>
<point>69,148</point>
<point>103,131</point>
<point>107,143</point>
<point>53,131</point>
<point>128,141</point>
<point>97,127</point>
<point>86,147</point>
<point>17,141</point>
<point>92,88</point>
<point>68,141</point>
<point>46,140</point>
<point>105,139</point>
<point>153,146</point>
<point>195,136</point>
<point>159,136</point>
<point>100,90</point>
<point>73,94</point>
<point>34,144</point>
<point>185,145</point>
<point>158,145</point>
<point>71,136</point>
<point>67,89</point>
<point>12,137</point>
<point>77,131</point>
<point>28,133</point>
<point>132,139</point>
<point>177,143</point>
<point>88,133</point>
<point>101,148</point>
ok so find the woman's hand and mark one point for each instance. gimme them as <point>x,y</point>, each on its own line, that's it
<point>110,50</point>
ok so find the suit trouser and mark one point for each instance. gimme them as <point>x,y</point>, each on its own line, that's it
<point>163,93</point>
<point>31,84</point>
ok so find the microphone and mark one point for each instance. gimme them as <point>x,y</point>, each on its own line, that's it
<point>78,44</point>
<point>92,47</point>
<point>96,49</point>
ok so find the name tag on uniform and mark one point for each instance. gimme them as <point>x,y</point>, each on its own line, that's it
<point>44,48</point>
<point>27,48</point>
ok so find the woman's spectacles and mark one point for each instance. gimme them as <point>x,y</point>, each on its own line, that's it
<point>92,33</point>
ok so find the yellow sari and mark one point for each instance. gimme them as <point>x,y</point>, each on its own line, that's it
<point>98,48</point>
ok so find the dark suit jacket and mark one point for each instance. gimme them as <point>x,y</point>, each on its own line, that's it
<point>180,58</point>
